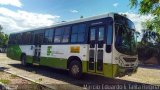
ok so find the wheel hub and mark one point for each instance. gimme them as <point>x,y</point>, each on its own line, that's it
<point>75,69</point>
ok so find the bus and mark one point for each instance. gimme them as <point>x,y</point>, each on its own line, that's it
<point>103,45</point>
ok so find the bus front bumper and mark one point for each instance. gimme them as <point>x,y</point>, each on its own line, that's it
<point>122,71</point>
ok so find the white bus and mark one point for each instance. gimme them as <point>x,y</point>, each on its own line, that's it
<point>103,45</point>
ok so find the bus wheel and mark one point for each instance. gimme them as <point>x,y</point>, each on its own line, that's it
<point>23,60</point>
<point>75,69</point>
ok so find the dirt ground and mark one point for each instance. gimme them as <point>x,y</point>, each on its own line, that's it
<point>60,80</point>
<point>16,83</point>
<point>145,74</point>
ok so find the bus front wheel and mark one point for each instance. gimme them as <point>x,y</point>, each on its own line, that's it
<point>75,69</point>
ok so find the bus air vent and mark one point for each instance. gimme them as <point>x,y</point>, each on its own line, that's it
<point>129,59</point>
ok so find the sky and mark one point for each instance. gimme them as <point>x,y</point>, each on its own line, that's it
<point>19,15</point>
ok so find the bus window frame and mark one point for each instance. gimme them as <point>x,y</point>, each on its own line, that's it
<point>85,33</point>
<point>37,32</point>
<point>110,44</point>
<point>53,31</point>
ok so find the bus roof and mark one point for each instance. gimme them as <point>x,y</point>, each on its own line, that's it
<point>70,22</point>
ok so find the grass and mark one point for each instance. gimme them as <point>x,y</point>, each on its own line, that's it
<point>33,86</point>
<point>40,79</point>
<point>5,81</point>
<point>13,76</point>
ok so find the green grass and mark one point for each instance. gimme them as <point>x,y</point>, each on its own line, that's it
<point>13,76</point>
<point>5,81</point>
<point>33,86</point>
<point>40,79</point>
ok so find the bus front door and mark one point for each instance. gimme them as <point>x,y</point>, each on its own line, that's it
<point>96,49</point>
<point>37,44</point>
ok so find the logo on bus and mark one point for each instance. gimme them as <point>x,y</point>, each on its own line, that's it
<point>49,50</point>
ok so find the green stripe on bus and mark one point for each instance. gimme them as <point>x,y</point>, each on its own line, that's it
<point>29,59</point>
<point>109,70</point>
<point>54,62</point>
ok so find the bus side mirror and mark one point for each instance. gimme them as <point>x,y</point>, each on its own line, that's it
<point>108,48</point>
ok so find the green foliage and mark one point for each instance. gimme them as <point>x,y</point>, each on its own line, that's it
<point>125,15</point>
<point>146,6</point>
<point>153,25</point>
<point>149,7</point>
<point>3,38</point>
<point>81,17</point>
<point>1,28</point>
<point>149,45</point>
<point>133,3</point>
<point>13,76</point>
<point>148,25</point>
<point>5,81</point>
<point>147,48</point>
<point>40,79</point>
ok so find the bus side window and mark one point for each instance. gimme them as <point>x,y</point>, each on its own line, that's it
<point>65,36</point>
<point>10,42</point>
<point>58,35</point>
<point>26,38</point>
<point>78,33</point>
<point>19,40</point>
<point>48,37</point>
<point>15,39</point>
<point>109,38</point>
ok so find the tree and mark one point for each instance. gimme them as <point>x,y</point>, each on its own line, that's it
<point>125,15</point>
<point>146,6</point>
<point>1,28</point>
<point>3,38</point>
<point>152,28</point>
<point>81,17</point>
<point>149,7</point>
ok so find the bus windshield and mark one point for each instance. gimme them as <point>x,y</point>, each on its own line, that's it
<point>125,36</point>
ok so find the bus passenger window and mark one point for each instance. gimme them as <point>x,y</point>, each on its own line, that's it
<point>81,33</point>
<point>58,35</point>
<point>65,38</point>
<point>101,34</point>
<point>19,38</point>
<point>101,37</point>
<point>48,36</point>
<point>92,34</point>
<point>78,33</point>
<point>109,38</point>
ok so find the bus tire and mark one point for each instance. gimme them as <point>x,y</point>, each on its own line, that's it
<point>23,60</point>
<point>75,69</point>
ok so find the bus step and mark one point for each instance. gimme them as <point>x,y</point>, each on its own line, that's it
<point>37,64</point>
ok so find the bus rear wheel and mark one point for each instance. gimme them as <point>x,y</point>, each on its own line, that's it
<point>23,60</point>
<point>75,69</point>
